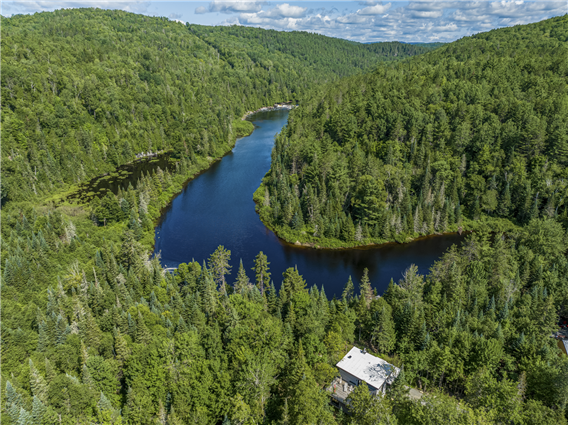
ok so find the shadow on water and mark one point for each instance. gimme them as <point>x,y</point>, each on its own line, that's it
<point>217,209</point>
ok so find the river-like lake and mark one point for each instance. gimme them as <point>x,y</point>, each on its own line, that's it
<point>216,208</point>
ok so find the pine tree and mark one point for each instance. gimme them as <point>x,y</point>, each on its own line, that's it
<point>348,229</point>
<point>383,332</point>
<point>14,402</point>
<point>86,377</point>
<point>348,291</point>
<point>143,335</point>
<point>219,266</point>
<point>43,338</point>
<point>417,223</point>
<point>365,288</point>
<point>242,283</point>
<point>272,300</point>
<point>24,418</point>
<point>292,283</point>
<point>37,383</point>
<point>358,233</point>
<point>505,201</point>
<point>131,327</point>
<point>209,296</point>
<point>38,411</point>
<point>262,271</point>
<point>308,403</point>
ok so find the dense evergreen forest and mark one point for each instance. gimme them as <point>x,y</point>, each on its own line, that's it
<point>84,90</point>
<point>240,45</point>
<point>475,131</point>
<point>94,331</point>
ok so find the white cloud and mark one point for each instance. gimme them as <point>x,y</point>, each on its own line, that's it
<point>372,20</point>
<point>237,6</point>
<point>284,11</point>
<point>376,9</point>
<point>354,18</point>
<point>15,7</point>
<point>428,14</point>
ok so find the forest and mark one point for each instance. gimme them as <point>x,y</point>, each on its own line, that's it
<point>473,132</point>
<point>84,90</point>
<point>95,331</point>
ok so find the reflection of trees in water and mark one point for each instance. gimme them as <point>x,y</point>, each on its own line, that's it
<point>384,262</point>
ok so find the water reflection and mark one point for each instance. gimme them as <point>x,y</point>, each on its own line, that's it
<point>217,209</point>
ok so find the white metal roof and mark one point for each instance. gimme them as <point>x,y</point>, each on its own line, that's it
<point>366,367</point>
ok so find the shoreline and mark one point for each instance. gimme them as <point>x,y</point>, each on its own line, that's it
<point>467,226</point>
<point>275,107</point>
<point>365,246</point>
<point>210,162</point>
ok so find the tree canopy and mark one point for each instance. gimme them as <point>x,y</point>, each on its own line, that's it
<point>475,130</point>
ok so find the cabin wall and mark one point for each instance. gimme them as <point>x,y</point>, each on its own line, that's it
<point>347,377</point>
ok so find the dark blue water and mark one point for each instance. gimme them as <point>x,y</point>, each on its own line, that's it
<point>217,208</point>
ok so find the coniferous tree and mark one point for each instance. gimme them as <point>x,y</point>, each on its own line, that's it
<point>365,290</point>
<point>348,291</point>
<point>219,266</point>
<point>242,283</point>
<point>262,272</point>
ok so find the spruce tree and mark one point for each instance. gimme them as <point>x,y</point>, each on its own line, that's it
<point>242,283</point>
<point>219,266</point>
<point>365,290</point>
<point>37,383</point>
<point>143,335</point>
<point>262,271</point>
<point>38,411</point>
<point>348,291</point>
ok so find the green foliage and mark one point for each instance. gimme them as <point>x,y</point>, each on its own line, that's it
<point>430,144</point>
<point>94,331</point>
<point>96,87</point>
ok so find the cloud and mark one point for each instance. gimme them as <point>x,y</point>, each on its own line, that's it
<point>376,9</point>
<point>238,6</point>
<point>428,14</point>
<point>354,18</point>
<point>415,21</point>
<point>16,7</point>
<point>287,11</point>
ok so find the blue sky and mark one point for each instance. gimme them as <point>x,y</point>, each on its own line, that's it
<point>365,21</point>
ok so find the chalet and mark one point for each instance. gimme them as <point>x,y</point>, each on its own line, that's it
<point>561,336</point>
<point>361,368</point>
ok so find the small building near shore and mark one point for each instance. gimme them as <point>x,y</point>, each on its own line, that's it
<point>359,367</point>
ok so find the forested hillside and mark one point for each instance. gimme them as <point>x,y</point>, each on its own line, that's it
<point>84,90</point>
<point>240,45</point>
<point>477,129</point>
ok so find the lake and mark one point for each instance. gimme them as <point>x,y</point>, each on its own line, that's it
<point>216,208</point>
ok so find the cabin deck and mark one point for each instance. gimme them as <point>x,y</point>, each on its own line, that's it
<point>340,390</point>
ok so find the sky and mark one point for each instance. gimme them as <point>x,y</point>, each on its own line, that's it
<point>363,21</point>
